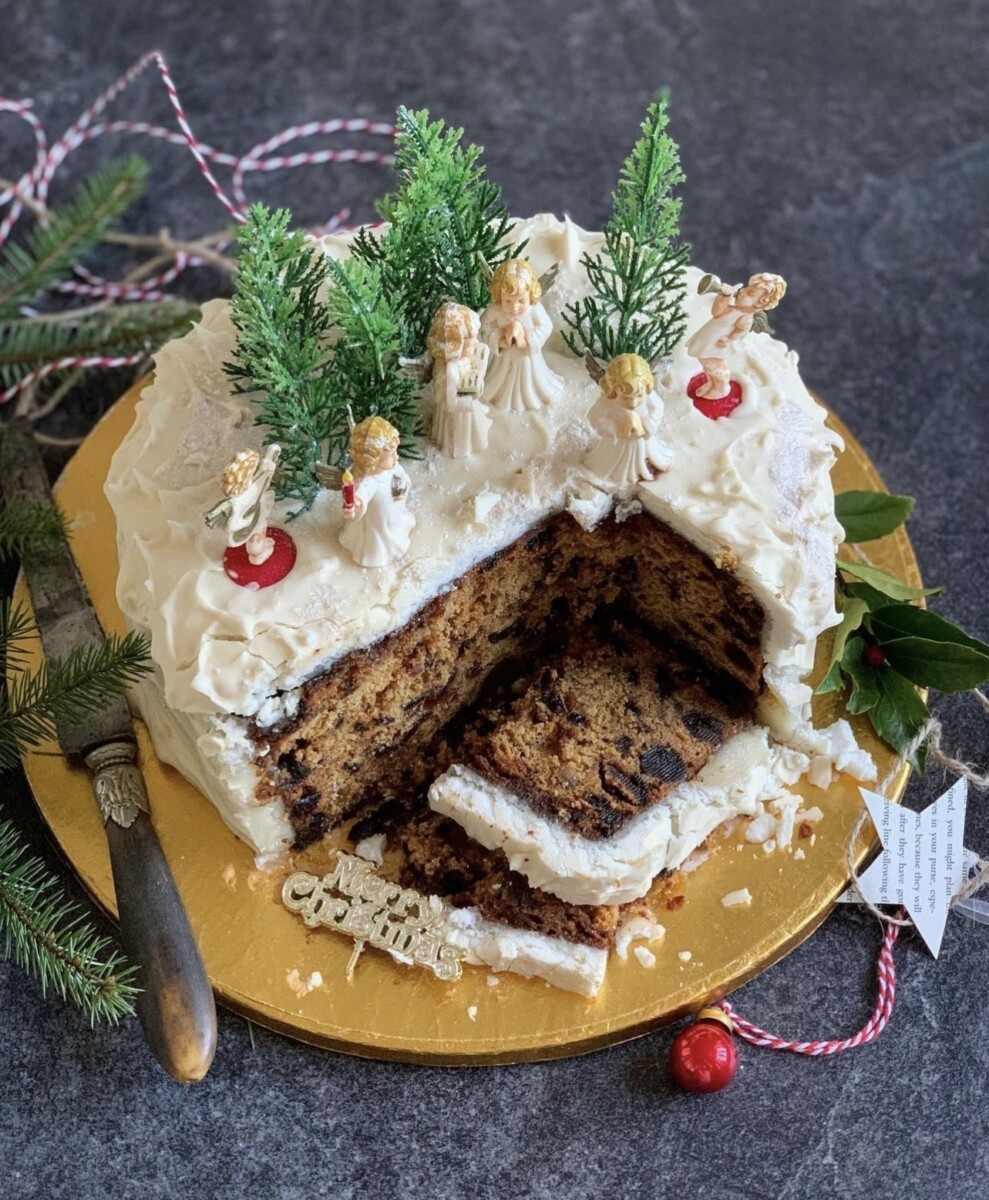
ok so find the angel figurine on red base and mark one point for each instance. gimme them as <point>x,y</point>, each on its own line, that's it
<point>734,313</point>
<point>257,555</point>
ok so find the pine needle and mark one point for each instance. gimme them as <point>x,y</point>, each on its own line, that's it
<point>36,525</point>
<point>48,936</point>
<point>50,251</point>
<point>117,332</point>
<point>61,690</point>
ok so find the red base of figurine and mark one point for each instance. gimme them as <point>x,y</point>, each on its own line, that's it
<point>722,406</point>
<point>275,567</point>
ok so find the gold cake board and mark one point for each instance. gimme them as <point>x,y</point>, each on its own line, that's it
<point>260,956</point>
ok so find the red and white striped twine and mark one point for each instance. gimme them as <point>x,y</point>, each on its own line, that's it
<point>885,995</point>
<point>33,186</point>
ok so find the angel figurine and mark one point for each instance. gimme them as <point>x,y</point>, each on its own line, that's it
<point>733,314</point>
<point>516,326</point>
<point>379,524</point>
<point>628,415</point>
<point>249,499</point>
<point>460,362</point>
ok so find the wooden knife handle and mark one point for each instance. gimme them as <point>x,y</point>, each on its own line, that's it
<point>175,1005</point>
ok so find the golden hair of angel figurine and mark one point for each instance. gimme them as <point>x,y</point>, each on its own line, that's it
<point>460,362</point>
<point>377,522</point>
<point>515,326</point>
<point>628,415</point>
<point>734,312</point>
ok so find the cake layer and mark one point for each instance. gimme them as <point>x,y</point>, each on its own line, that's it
<point>361,730</point>
<point>606,729</point>
<point>743,774</point>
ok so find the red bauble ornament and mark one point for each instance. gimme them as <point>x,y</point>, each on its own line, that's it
<point>703,1057</point>
<point>261,575</point>
<point>721,406</point>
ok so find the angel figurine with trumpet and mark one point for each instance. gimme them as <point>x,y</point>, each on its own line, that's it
<point>735,312</point>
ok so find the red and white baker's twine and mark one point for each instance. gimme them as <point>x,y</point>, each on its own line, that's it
<point>33,187</point>
<point>886,993</point>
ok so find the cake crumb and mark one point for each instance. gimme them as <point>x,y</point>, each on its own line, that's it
<point>685,956</point>
<point>645,956</point>
<point>472,1012</point>
<point>737,898</point>
<point>493,981</point>
<point>302,987</point>
<point>676,902</point>
<point>636,929</point>
<point>799,855</point>
<point>372,848</point>
<point>229,876</point>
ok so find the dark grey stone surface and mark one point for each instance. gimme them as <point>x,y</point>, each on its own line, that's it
<point>843,145</point>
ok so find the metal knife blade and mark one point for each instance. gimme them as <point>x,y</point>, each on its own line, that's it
<point>175,1007</point>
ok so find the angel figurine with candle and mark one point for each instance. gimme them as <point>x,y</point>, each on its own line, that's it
<point>628,416</point>
<point>379,525</point>
<point>734,313</point>
<point>460,362</point>
<point>516,326</point>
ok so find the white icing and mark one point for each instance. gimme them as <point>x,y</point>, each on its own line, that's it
<point>568,965</point>
<point>756,484</point>
<point>618,869</point>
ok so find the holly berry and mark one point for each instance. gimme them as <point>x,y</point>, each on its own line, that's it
<point>703,1057</point>
<point>875,656</point>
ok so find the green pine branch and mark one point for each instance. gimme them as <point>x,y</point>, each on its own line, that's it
<point>48,936</point>
<point>26,345</point>
<point>61,690</point>
<point>447,225</point>
<point>48,253</point>
<point>317,340</point>
<point>35,525</point>
<point>637,287</point>
<point>42,930</point>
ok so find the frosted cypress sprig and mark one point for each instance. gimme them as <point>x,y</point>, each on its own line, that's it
<point>446,222</point>
<point>635,305</point>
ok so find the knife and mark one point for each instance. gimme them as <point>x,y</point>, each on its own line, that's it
<point>175,1006</point>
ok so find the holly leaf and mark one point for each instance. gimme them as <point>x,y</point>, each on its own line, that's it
<point>889,585</point>
<point>898,714</point>
<point>865,689</point>
<point>865,516</point>
<point>946,666</point>
<point>903,621</point>
<point>852,611</point>
<point>872,596</point>
<point>832,682</point>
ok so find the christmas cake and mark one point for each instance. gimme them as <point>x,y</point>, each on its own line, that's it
<point>543,672</point>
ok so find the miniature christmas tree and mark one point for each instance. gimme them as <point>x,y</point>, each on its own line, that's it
<point>311,359</point>
<point>448,227</point>
<point>637,281</point>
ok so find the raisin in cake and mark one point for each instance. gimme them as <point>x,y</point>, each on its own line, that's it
<point>654,642</point>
